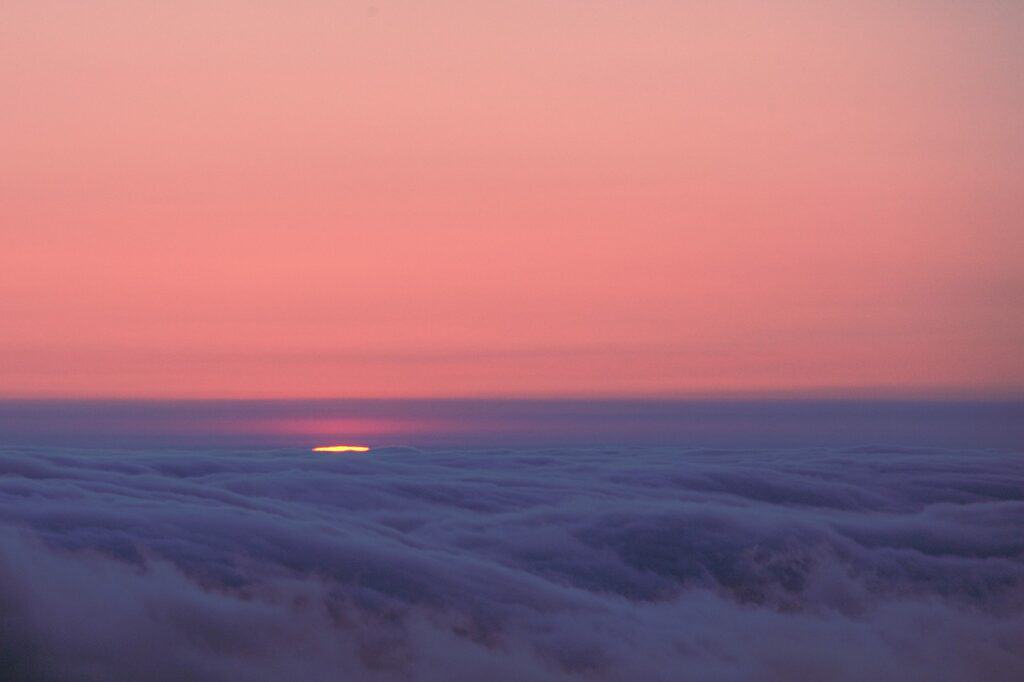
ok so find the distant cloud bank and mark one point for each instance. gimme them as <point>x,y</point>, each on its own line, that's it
<point>658,564</point>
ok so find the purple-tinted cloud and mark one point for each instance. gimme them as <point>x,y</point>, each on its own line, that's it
<point>556,564</point>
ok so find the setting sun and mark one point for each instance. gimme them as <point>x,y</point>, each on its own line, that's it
<point>341,448</point>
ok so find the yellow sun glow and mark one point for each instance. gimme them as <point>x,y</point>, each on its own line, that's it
<point>341,448</point>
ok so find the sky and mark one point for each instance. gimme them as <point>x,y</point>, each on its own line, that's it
<point>229,199</point>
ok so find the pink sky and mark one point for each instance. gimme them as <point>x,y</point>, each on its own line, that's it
<point>302,199</point>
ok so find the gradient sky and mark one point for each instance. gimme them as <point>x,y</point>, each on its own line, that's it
<point>312,199</point>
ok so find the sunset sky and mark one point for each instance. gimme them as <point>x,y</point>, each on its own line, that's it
<point>233,199</point>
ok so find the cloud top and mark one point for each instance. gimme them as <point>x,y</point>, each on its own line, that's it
<point>544,564</point>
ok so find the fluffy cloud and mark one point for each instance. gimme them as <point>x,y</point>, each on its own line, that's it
<point>567,564</point>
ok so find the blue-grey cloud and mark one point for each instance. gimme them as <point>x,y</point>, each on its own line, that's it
<point>543,564</point>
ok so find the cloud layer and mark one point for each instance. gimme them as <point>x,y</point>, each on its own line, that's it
<point>559,564</point>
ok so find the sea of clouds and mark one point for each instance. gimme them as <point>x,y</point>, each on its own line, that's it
<point>561,564</point>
